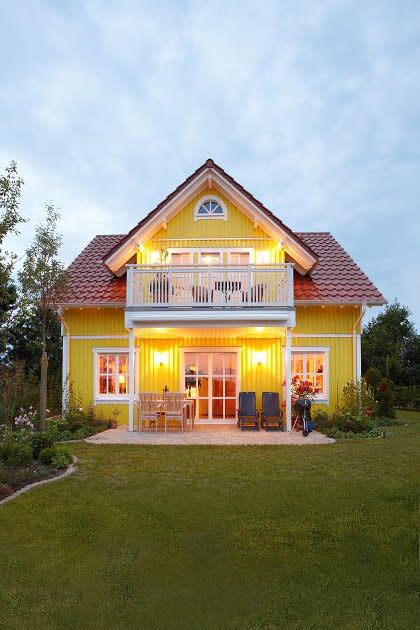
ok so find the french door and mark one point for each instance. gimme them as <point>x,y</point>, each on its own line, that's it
<point>211,378</point>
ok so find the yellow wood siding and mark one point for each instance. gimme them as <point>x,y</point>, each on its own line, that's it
<point>331,319</point>
<point>340,362</point>
<point>238,231</point>
<point>95,321</point>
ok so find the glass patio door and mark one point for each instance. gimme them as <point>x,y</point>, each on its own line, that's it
<point>211,378</point>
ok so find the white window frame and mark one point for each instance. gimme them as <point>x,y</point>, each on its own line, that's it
<point>202,200</point>
<point>322,398</point>
<point>99,398</point>
<point>180,250</point>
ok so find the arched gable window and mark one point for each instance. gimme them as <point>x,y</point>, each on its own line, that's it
<point>210,207</point>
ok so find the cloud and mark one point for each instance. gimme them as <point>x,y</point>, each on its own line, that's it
<point>313,107</point>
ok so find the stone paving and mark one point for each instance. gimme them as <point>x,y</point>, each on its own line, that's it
<point>205,434</point>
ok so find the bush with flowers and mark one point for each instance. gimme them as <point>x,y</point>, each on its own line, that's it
<point>26,421</point>
<point>360,414</point>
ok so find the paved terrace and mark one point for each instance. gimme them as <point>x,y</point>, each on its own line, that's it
<point>205,434</point>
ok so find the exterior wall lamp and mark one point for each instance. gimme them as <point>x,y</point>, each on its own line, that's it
<point>161,358</point>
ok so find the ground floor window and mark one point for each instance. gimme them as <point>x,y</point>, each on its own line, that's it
<point>211,378</point>
<point>112,378</point>
<point>312,365</point>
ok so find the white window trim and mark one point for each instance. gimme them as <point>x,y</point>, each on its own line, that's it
<point>324,398</point>
<point>204,217</point>
<point>180,250</point>
<point>112,398</point>
<point>213,250</point>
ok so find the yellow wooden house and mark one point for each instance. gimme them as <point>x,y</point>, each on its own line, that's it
<point>211,294</point>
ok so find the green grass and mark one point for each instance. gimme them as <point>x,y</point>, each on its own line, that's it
<point>220,537</point>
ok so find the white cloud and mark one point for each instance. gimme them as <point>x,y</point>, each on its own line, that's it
<point>313,107</point>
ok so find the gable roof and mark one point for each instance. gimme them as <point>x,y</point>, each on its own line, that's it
<point>336,279</point>
<point>304,256</point>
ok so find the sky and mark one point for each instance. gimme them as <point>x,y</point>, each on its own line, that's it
<point>314,107</point>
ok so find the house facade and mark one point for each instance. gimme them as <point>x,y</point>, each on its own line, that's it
<point>211,294</point>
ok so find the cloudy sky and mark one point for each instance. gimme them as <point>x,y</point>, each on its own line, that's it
<point>312,106</point>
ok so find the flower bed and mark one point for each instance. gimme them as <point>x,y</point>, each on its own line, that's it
<point>25,459</point>
<point>28,455</point>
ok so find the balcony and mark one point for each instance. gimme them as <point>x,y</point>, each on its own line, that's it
<point>198,286</point>
<point>207,293</point>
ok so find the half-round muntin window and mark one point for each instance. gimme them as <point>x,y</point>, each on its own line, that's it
<point>210,207</point>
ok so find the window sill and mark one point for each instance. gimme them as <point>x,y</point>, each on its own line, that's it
<point>113,401</point>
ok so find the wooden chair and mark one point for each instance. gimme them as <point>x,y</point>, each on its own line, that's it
<point>247,412</point>
<point>148,411</point>
<point>174,407</point>
<point>271,413</point>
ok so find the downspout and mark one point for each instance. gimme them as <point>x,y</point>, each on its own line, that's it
<point>357,357</point>
<point>66,361</point>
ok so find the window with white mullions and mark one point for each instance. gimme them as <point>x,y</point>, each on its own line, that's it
<point>112,374</point>
<point>312,366</point>
<point>210,208</point>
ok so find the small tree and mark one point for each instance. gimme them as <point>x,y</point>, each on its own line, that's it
<point>42,280</point>
<point>10,217</point>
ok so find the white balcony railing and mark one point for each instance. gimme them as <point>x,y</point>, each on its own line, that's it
<point>209,286</point>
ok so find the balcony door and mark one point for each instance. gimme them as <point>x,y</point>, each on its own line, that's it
<point>211,379</point>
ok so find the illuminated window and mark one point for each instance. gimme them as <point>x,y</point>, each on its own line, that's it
<point>210,208</point>
<point>312,366</point>
<point>112,374</point>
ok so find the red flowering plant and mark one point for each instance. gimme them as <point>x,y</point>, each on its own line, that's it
<point>303,389</point>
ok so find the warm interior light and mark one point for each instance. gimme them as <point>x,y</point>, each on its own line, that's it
<point>259,357</point>
<point>192,392</point>
<point>263,257</point>
<point>161,358</point>
<point>121,379</point>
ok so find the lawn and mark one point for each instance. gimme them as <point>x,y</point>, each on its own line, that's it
<point>220,537</point>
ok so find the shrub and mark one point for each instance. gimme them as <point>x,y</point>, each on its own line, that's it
<point>6,449</point>
<point>373,377</point>
<point>359,399</point>
<point>55,456</point>
<point>39,441</point>
<point>321,419</point>
<point>26,420</point>
<point>83,433</point>
<point>64,436</point>
<point>16,453</point>
<point>46,455</point>
<point>385,397</point>
<point>61,458</point>
<point>56,424</point>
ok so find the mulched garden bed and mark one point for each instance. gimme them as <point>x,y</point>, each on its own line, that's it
<point>13,478</point>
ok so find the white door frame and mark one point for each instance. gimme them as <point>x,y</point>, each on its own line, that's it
<point>209,350</point>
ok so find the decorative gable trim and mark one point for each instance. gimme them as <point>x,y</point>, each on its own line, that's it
<point>207,175</point>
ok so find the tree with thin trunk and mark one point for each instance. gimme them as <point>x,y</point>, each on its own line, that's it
<point>42,280</point>
<point>10,217</point>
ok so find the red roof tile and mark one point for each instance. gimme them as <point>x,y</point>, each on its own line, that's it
<point>89,281</point>
<point>335,279</point>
